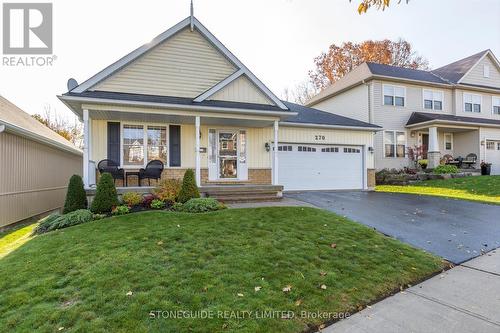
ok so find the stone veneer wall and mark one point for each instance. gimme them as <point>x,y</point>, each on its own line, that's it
<point>371,179</point>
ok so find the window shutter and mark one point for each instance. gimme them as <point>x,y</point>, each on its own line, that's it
<point>175,145</point>
<point>114,141</point>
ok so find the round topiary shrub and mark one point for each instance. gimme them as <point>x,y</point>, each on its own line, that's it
<point>75,197</point>
<point>189,190</point>
<point>105,197</point>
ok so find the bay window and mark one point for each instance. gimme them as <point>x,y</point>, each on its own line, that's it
<point>472,103</point>
<point>394,95</point>
<point>394,144</point>
<point>142,144</point>
<point>495,102</point>
<point>433,100</point>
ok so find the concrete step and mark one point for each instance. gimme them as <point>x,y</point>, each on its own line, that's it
<point>256,198</point>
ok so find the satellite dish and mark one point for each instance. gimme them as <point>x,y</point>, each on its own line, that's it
<point>72,84</point>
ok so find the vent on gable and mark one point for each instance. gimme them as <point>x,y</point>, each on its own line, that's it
<point>486,71</point>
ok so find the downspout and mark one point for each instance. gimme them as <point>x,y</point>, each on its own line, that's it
<point>370,109</point>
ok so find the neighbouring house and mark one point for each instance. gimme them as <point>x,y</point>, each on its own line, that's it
<point>450,111</point>
<point>35,166</point>
<point>186,100</point>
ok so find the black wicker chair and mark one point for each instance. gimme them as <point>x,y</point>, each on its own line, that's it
<point>113,168</point>
<point>470,160</point>
<point>153,170</point>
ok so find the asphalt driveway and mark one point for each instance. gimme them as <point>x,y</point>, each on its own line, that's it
<point>453,229</point>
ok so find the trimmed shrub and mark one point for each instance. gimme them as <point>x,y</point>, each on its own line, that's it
<point>177,207</point>
<point>120,210</point>
<point>168,190</point>
<point>423,163</point>
<point>96,217</point>
<point>45,223</point>
<point>132,198</point>
<point>105,198</point>
<point>189,190</point>
<point>67,220</point>
<point>202,205</point>
<point>75,196</point>
<point>157,204</point>
<point>147,199</point>
<point>445,169</point>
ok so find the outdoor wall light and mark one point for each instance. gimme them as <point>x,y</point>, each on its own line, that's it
<point>268,147</point>
<point>371,150</point>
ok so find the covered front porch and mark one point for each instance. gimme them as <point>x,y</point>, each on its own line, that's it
<point>222,148</point>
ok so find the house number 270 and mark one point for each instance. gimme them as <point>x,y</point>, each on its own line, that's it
<point>319,137</point>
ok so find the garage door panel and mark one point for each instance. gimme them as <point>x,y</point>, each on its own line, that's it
<point>314,169</point>
<point>493,156</point>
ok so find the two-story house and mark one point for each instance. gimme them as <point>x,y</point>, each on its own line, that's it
<point>450,111</point>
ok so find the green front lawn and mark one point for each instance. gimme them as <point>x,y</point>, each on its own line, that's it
<point>481,188</point>
<point>108,275</point>
<point>13,238</point>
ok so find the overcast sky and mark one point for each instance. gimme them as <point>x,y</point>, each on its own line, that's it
<point>276,39</point>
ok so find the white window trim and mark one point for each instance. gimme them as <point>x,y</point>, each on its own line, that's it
<point>432,91</point>
<point>394,95</point>
<point>480,102</point>
<point>451,141</point>
<point>395,142</point>
<point>492,105</point>
<point>144,146</point>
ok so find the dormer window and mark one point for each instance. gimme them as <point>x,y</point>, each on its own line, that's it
<point>394,95</point>
<point>433,100</point>
<point>486,71</point>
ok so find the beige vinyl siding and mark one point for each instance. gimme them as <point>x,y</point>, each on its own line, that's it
<point>185,65</point>
<point>33,177</point>
<point>476,75</point>
<point>99,146</point>
<point>241,90</point>
<point>465,143</point>
<point>332,136</point>
<point>352,103</point>
<point>486,133</point>
<point>486,104</point>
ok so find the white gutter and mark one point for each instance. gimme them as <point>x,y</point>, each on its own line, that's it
<point>359,128</point>
<point>176,106</point>
<point>451,122</point>
<point>37,137</point>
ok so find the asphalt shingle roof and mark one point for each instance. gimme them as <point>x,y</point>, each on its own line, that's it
<point>456,70</point>
<point>405,73</point>
<point>420,117</point>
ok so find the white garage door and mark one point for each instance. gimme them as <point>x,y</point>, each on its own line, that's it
<point>320,167</point>
<point>493,156</point>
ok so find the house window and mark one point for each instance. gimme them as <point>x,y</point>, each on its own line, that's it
<point>472,103</point>
<point>394,144</point>
<point>448,141</point>
<point>433,100</point>
<point>284,148</point>
<point>490,145</point>
<point>330,150</point>
<point>157,143</point>
<point>486,71</point>
<point>495,101</point>
<point>142,144</point>
<point>394,95</point>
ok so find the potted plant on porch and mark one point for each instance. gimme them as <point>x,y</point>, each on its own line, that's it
<point>485,168</point>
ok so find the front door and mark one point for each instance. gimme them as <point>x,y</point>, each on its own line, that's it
<point>425,145</point>
<point>227,158</point>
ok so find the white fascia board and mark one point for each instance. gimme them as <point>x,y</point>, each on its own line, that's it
<point>131,57</point>
<point>207,34</point>
<point>471,125</point>
<point>219,86</point>
<point>310,125</point>
<point>39,138</point>
<point>176,106</point>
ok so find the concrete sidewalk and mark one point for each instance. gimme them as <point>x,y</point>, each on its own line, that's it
<point>464,299</point>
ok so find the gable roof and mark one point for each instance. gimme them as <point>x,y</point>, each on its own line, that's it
<point>193,23</point>
<point>455,71</point>
<point>404,73</point>
<point>19,122</point>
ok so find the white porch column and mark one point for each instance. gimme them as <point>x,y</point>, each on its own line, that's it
<point>275,146</point>
<point>433,154</point>
<point>197,151</point>
<point>86,145</point>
